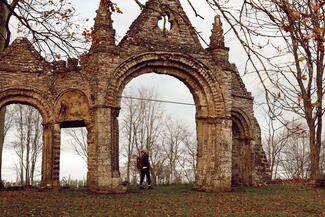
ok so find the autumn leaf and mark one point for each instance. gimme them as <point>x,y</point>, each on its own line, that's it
<point>316,104</point>
<point>300,59</point>
<point>299,98</point>
<point>286,28</point>
<point>295,15</point>
<point>304,77</point>
<point>58,56</point>
<point>118,10</point>
<point>93,36</point>
<point>306,38</point>
<point>316,6</point>
<point>112,6</point>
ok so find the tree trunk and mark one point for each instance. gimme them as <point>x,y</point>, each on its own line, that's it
<point>4,13</point>
<point>2,124</point>
<point>314,159</point>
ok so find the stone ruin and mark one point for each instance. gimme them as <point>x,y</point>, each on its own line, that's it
<point>89,94</point>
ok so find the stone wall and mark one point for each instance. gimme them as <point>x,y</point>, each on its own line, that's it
<point>66,94</point>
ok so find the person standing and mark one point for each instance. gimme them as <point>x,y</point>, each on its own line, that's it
<point>145,170</point>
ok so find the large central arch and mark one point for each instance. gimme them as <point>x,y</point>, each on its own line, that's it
<point>213,126</point>
<point>195,75</point>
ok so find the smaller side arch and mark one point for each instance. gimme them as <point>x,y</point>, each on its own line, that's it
<point>242,149</point>
<point>28,96</point>
<point>241,123</point>
<point>39,100</point>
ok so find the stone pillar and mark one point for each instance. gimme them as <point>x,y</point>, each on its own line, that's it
<point>92,151</point>
<point>115,145</point>
<point>103,166</point>
<point>51,156</point>
<point>214,154</point>
<point>253,157</point>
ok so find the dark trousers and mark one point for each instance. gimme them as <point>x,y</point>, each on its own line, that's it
<point>145,172</point>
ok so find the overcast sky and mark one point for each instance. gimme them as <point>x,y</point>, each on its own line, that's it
<point>168,87</point>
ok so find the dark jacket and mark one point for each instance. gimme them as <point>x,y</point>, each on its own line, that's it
<point>145,161</point>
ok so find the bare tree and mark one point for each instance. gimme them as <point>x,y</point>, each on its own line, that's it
<point>173,143</point>
<point>294,158</point>
<point>128,130</point>
<point>79,141</point>
<point>141,120</point>
<point>2,138</point>
<point>28,141</point>
<point>274,143</point>
<point>187,160</point>
<point>6,122</point>
<point>50,25</point>
<point>284,43</point>
<point>145,124</point>
<point>158,162</point>
<point>275,138</point>
<point>322,158</point>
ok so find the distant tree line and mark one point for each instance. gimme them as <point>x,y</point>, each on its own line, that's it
<point>287,149</point>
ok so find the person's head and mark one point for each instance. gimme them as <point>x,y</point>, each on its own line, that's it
<point>145,151</point>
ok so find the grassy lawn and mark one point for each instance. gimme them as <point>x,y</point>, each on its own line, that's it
<point>180,200</point>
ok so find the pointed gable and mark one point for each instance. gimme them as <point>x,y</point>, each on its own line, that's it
<point>238,86</point>
<point>21,56</point>
<point>163,25</point>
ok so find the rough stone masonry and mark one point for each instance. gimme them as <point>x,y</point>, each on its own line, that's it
<point>69,94</point>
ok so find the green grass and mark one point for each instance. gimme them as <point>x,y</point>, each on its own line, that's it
<point>180,200</point>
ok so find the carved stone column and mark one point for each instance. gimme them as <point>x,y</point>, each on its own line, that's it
<point>115,145</point>
<point>214,154</point>
<point>51,156</point>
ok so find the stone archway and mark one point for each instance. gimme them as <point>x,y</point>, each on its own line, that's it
<point>71,109</point>
<point>210,114</point>
<point>242,149</point>
<point>28,96</point>
<point>33,97</point>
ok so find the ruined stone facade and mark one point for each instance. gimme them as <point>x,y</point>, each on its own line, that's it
<point>228,135</point>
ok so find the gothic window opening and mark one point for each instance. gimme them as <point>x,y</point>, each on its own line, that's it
<point>164,23</point>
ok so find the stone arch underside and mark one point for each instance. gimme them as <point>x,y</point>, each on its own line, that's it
<point>28,96</point>
<point>195,75</point>
<point>242,149</point>
<point>213,128</point>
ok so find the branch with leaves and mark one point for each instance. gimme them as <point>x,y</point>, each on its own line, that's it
<point>284,44</point>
